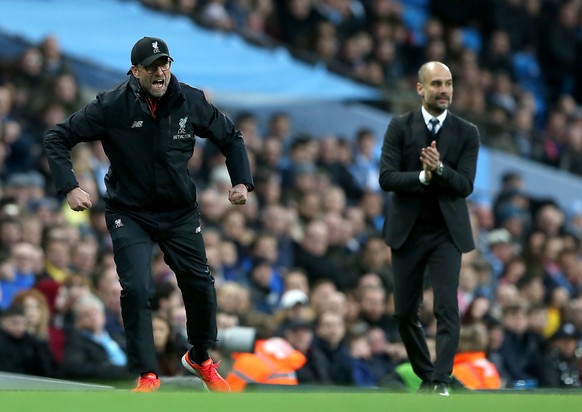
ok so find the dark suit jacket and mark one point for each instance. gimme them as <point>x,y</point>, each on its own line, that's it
<point>458,145</point>
<point>87,359</point>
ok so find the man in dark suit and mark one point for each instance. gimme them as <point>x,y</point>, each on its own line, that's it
<point>429,160</point>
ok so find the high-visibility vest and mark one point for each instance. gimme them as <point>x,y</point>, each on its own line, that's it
<point>475,371</point>
<point>273,362</point>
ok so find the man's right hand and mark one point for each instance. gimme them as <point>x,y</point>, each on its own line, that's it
<point>427,174</point>
<point>78,200</point>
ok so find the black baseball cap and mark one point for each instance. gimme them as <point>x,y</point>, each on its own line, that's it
<point>147,50</point>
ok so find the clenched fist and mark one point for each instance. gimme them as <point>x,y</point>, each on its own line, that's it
<point>238,194</point>
<point>78,200</point>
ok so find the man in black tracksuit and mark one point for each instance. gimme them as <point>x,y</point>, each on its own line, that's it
<point>148,126</point>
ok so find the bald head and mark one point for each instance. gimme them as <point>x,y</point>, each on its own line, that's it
<point>435,87</point>
<point>430,69</point>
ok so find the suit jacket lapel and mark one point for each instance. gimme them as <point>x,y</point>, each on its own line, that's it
<point>445,136</point>
<point>419,130</point>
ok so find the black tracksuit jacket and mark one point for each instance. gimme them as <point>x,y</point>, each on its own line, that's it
<point>148,154</point>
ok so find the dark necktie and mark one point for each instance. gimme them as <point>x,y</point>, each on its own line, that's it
<point>433,125</point>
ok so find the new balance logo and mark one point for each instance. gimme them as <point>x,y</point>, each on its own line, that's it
<point>137,123</point>
<point>118,223</point>
<point>198,230</point>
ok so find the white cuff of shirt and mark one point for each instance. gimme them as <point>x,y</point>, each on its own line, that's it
<point>422,178</point>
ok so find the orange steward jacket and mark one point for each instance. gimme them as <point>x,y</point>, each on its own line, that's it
<point>475,371</point>
<point>273,362</point>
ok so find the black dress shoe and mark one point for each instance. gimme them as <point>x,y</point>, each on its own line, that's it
<point>441,389</point>
<point>425,387</point>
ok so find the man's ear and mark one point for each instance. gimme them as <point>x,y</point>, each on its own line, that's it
<point>419,89</point>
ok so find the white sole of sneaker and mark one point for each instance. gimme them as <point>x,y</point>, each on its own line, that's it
<point>190,369</point>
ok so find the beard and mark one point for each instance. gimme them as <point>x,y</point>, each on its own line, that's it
<point>152,90</point>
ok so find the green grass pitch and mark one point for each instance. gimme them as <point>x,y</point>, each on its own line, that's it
<point>183,401</point>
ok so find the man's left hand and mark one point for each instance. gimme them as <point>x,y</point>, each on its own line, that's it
<point>238,195</point>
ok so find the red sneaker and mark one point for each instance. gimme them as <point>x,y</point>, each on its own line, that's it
<point>208,373</point>
<point>148,382</point>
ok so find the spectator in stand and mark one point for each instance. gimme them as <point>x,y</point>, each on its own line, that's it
<point>571,267</point>
<point>297,18</point>
<point>537,322</point>
<point>280,128</point>
<point>553,275</point>
<point>21,352</point>
<point>372,203</point>
<point>329,160</point>
<point>514,271</point>
<point>373,302</point>
<point>551,142</point>
<point>17,272</point>
<point>501,251</point>
<point>326,44</point>
<point>310,254</point>
<point>341,249</point>
<point>572,160</point>
<point>531,289</point>
<point>293,305</point>
<point>167,353</point>
<point>515,221</point>
<point>57,260</point>
<point>233,299</point>
<point>375,257</point>
<point>330,334</point>
<point>558,48</point>
<point>269,158</point>
<point>64,90</point>
<point>28,79</point>
<point>300,334</point>
<point>264,294</point>
<point>296,278</point>
<point>309,201</point>
<point>386,355</point>
<point>36,311</point>
<point>214,14</point>
<point>84,258</point>
<point>39,321</point>
<point>91,353</point>
<point>468,282</point>
<point>234,228</point>
<point>561,365</point>
<point>573,314</point>
<point>520,350</point>
<point>106,287</point>
<point>523,132</point>
<point>497,56</point>
<point>53,60</point>
<point>479,311</point>
<point>472,369</point>
<point>365,371</point>
<point>10,232</point>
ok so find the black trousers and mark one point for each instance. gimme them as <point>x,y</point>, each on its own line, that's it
<point>432,248</point>
<point>180,239</point>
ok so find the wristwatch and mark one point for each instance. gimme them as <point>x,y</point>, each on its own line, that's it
<point>441,169</point>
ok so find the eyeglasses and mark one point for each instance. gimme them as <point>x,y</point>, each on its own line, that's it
<point>152,68</point>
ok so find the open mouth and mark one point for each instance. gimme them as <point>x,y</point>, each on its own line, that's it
<point>158,84</point>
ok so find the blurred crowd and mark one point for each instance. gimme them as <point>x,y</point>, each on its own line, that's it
<point>516,63</point>
<point>304,260</point>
